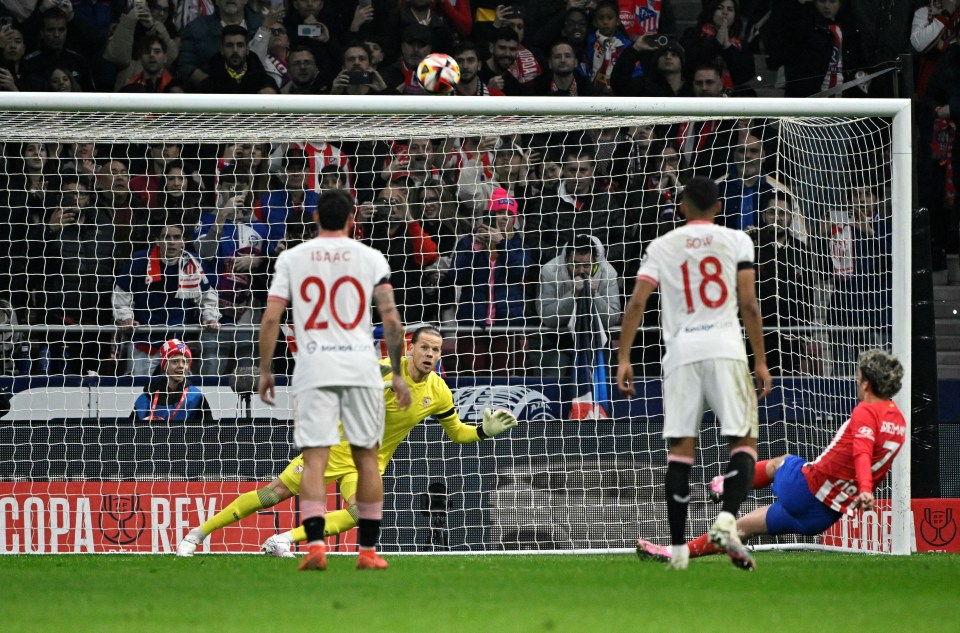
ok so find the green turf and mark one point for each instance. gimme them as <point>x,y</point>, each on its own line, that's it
<point>790,591</point>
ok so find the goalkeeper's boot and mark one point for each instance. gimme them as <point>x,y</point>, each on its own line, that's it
<point>649,551</point>
<point>278,547</point>
<point>316,558</point>
<point>716,489</point>
<point>368,559</point>
<point>190,542</point>
<point>679,557</point>
<point>723,533</point>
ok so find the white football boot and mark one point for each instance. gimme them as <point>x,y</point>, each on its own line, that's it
<point>679,557</point>
<point>723,533</point>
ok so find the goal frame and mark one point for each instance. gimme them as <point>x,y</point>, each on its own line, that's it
<point>898,110</point>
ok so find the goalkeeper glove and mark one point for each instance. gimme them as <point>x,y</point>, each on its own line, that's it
<point>496,422</point>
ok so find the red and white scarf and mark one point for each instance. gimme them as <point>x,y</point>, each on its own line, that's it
<point>834,75</point>
<point>190,273</point>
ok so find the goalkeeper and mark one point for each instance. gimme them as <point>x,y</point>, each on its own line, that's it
<point>431,397</point>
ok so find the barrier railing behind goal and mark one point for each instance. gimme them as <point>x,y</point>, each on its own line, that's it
<point>515,226</point>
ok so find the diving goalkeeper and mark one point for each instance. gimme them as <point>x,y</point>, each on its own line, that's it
<point>431,397</point>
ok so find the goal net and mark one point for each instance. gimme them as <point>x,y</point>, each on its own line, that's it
<point>514,226</point>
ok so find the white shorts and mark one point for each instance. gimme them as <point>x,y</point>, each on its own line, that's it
<point>359,409</point>
<point>724,384</point>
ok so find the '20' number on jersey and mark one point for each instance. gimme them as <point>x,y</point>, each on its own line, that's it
<point>710,270</point>
<point>314,322</point>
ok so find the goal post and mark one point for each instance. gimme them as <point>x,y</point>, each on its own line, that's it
<point>583,470</point>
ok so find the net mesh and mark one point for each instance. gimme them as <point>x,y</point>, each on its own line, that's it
<point>124,230</point>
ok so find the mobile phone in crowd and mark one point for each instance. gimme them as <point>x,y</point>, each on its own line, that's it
<point>359,77</point>
<point>363,4</point>
<point>309,30</point>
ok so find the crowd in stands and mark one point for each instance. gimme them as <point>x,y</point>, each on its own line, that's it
<point>540,234</point>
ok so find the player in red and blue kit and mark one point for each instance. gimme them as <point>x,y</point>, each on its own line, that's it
<point>813,496</point>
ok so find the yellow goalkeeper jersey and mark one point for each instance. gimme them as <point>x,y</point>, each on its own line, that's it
<point>431,397</point>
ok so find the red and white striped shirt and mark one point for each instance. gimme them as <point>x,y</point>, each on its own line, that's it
<point>322,154</point>
<point>859,456</point>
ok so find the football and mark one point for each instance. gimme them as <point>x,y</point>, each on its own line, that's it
<point>438,73</point>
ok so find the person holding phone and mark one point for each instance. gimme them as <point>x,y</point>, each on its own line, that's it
<point>358,77</point>
<point>234,248</point>
<point>12,49</point>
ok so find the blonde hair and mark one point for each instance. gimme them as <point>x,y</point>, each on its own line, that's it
<point>883,371</point>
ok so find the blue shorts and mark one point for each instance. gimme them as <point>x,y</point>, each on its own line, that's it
<point>796,510</point>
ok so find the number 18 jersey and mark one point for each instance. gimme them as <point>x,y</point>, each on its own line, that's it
<point>695,267</point>
<point>329,282</point>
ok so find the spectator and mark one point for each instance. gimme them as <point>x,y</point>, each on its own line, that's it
<point>62,81</point>
<point>358,76</point>
<point>22,204</point>
<point>71,265</point>
<point>745,188</point>
<point>439,216</point>
<point>716,39</point>
<point>934,29</point>
<point>150,184</point>
<point>271,45</point>
<point>705,146</point>
<point>169,396</point>
<point>468,60</point>
<point>571,25</point>
<point>234,245</point>
<point>410,158</point>
<point>473,164</point>
<point>860,245</point>
<point>788,273</point>
<point>305,75</point>
<point>580,205</point>
<point>289,207</point>
<point>817,43</point>
<point>527,66</point>
<point>579,302</point>
<point>203,37</point>
<point>136,34</point>
<point>562,78</point>
<point>313,23</point>
<point>369,21</point>
<point>253,160</point>
<point>52,52</point>
<point>127,213</point>
<point>646,69</point>
<point>177,202</point>
<point>495,72</point>
<point>401,76</point>
<point>152,75</point>
<point>421,13</point>
<point>164,287</point>
<point>389,226</point>
<point>603,47</point>
<point>650,210</point>
<point>12,49</point>
<point>489,265</point>
<point>938,184</point>
<point>235,70</point>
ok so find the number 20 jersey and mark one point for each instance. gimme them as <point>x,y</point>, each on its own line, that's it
<point>695,267</point>
<point>329,283</point>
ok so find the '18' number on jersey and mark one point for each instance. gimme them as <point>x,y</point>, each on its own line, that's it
<point>711,271</point>
<point>314,322</point>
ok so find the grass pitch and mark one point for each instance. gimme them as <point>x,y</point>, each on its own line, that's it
<point>790,591</point>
